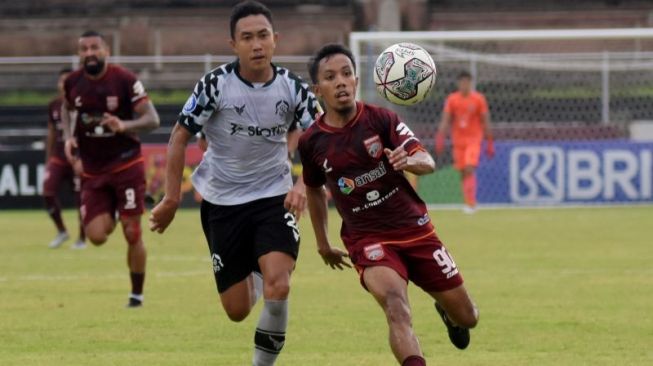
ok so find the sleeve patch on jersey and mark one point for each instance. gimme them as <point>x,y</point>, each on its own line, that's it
<point>190,105</point>
<point>138,89</point>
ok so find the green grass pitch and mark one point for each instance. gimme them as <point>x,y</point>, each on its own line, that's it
<point>554,287</point>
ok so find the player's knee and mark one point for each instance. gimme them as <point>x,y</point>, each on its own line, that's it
<point>132,232</point>
<point>468,317</point>
<point>236,313</point>
<point>397,309</point>
<point>96,237</point>
<point>276,288</point>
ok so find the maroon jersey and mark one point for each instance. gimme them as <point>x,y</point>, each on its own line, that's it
<point>54,120</point>
<point>376,203</point>
<point>117,93</point>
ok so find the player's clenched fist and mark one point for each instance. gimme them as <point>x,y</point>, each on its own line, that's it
<point>397,157</point>
<point>295,201</point>
<point>113,123</point>
<point>162,214</point>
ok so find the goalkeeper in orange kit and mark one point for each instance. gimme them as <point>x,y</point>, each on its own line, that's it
<point>466,112</point>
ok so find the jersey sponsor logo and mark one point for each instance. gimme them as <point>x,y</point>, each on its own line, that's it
<point>374,252</point>
<point>373,195</point>
<point>78,101</point>
<point>404,130</point>
<point>282,107</point>
<point>240,109</point>
<point>277,130</point>
<point>235,128</point>
<point>112,102</point>
<point>374,146</point>
<point>376,202</point>
<point>190,104</point>
<point>346,185</point>
<point>217,263</point>
<point>55,115</point>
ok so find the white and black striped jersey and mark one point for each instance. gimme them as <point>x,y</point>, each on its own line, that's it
<point>246,126</point>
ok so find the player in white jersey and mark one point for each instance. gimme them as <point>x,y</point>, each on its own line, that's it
<point>251,111</point>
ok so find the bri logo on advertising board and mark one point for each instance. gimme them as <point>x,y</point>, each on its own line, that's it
<point>544,174</point>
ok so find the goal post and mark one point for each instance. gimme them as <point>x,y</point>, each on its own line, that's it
<point>566,90</point>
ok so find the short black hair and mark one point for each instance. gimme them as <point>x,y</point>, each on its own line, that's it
<point>92,33</point>
<point>65,70</point>
<point>245,9</point>
<point>464,75</point>
<point>325,52</point>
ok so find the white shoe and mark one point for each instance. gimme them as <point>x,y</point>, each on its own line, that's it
<point>79,244</point>
<point>58,240</point>
<point>469,210</point>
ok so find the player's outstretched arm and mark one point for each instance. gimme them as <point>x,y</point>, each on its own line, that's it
<point>164,212</point>
<point>419,163</point>
<point>318,210</point>
<point>147,120</point>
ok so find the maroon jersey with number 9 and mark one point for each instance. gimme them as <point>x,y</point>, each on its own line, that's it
<point>117,92</point>
<point>377,203</point>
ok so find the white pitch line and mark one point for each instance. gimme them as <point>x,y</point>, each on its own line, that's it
<point>91,276</point>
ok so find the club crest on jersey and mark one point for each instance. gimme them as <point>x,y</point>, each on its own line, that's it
<point>346,185</point>
<point>374,252</point>
<point>374,146</point>
<point>282,108</point>
<point>112,103</point>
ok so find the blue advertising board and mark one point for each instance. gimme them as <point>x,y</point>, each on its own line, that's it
<point>550,173</point>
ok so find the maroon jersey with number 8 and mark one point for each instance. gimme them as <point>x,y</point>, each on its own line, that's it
<point>377,203</point>
<point>116,92</point>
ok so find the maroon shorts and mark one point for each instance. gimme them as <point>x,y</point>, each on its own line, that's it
<point>58,172</point>
<point>425,262</point>
<point>122,191</point>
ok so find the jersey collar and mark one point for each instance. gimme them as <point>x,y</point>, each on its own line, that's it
<point>248,83</point>
<point>321,123</point>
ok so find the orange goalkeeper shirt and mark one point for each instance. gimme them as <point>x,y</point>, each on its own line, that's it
<point>466,117</point>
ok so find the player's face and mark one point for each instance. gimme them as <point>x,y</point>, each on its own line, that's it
<point>254,42</point>
<point>337,82</point>
<point>93,52</point>
<point>60,82</point>
<point>464,85</point>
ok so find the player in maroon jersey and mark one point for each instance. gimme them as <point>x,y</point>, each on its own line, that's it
<point>360,152</point>
<point>112,107</point>
<point>58,170</point>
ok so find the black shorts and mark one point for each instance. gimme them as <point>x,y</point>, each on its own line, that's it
<point>238,235</point>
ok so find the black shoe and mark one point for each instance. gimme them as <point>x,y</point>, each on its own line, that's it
<point>459,336</point>
<point>134,303</point>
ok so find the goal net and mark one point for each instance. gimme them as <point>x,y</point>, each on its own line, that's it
<point>561,102</point>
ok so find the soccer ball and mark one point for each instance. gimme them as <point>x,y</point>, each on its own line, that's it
<point>404,73</point>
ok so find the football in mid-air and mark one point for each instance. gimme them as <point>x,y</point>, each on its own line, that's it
<point>404,73</point>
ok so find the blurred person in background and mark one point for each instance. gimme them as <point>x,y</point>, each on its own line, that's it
<point>59,171</point>
<point>467,115</point>
<point>111,108</point>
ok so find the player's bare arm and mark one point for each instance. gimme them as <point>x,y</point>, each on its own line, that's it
<point>49,141</point>
<point>487,131</point>
<point>148,120</point>
<point>70,140</point>
<point>296,198</point>
<point>164,212</point>
<point>418,163</point>
<point>318,210</point>
<point>442,132</point>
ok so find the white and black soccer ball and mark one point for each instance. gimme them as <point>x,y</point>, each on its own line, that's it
<point>404,74</point>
